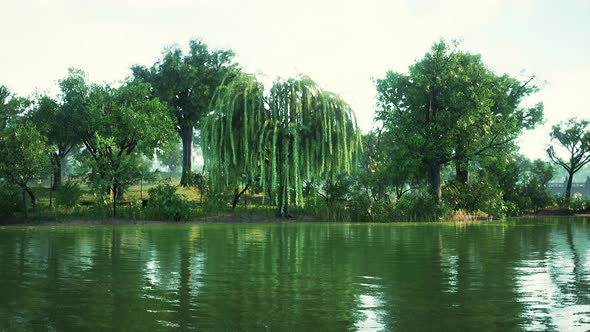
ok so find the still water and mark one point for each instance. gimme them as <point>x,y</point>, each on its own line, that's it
<point>525,274</point>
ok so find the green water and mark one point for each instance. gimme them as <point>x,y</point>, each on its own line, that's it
<point>527,274</point>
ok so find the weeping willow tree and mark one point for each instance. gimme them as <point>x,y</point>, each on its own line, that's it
<point>230,135</point>
<point>297,132</point>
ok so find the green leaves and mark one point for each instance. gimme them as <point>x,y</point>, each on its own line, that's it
<point>120,125</point>
<point>452,107</point>
<point>574,137</point>
<point>23,154</point>
<point>298,132</point>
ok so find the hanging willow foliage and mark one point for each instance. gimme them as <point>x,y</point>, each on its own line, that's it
<point>298,132</point>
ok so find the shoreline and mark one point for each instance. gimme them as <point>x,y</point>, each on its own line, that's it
<point>220,219</point>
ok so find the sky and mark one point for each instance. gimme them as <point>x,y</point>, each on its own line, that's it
<point>341,44</point>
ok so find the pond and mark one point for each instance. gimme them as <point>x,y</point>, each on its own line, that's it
<point>531,274</point>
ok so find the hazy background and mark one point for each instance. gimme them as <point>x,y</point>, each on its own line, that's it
<point>341,44</point>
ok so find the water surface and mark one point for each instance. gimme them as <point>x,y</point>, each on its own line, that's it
<point>525,274</point>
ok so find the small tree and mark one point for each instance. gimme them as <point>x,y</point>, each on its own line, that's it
<point>170,155</point>
<point>574,137</point>
<point>11,107</point>
<point>118,126</point>
<point>23,157</point>
<point>55,124</point>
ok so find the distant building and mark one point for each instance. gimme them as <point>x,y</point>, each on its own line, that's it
<point>578,188</point>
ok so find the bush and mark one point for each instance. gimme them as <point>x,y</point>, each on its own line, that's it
<point>417,206</point>
<point>360,208</point>
<point>10,199</point>
<point>214,202</point>
<point>135,211</point>
<point>475,196</point>
<point>579,204</point>
<point>69,194</point>
<point>335,194</point>
<point>165,204</point>
<point>413,206</point>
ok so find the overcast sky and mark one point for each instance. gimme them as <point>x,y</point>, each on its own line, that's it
<point>343,45</point>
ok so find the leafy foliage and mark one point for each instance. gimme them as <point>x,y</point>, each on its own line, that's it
<point>10,199</point>
<point>480,194</point>
<point>574,137</point>
<point>186,84</point>
<point>68,195</point>
<point>451,107</point>
<point>299,132</point>
<point>23,155</point>
<point>170,155</point>
<point>54,118</point>
<point>11,107</point>
<point>165,204</point>
<point>120,124</point>
<point>522,183</point>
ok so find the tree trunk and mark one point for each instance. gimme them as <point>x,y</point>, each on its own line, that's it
<point>31,196</point>
<point>237,196</point>
<point>435,185</point>
<point>25,204</point>
<point>115,191</point>
<point>186,134</point>
<point>56,174</point>
<point>568,188</point>
<point>462,170</point>
<point>283,207</point>
<point>51,194</point>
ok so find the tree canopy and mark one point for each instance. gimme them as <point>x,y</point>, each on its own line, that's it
<point>186,84</point>
<point>23,156</point>
<point>573,136</point>
<point>297,132</point>
<point>451,107</point>
<point>119,125</point>
<point>54,118</point>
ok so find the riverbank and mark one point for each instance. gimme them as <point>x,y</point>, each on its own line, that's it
<point>228,218</point>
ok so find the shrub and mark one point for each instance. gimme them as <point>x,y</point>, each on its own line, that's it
<point>10,199</point>
<point>69,194</point>
<point>165,204</point>
<point>360,208</point>
<point>335,194</point>
<point>579,204</point>
<point>135,211</point>
<point>477,195</point>
<point>417,206</point>
<point>214,202</point>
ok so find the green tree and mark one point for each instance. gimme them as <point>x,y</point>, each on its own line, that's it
<point>385,168</point>
<point>55,122</point>
<point>451,107</point>
<point>542,171</point>
<point>11,106</point>
<point>298,132</point>
<point>186,83</point>
<point>170,155</point>
<point>116,128</point>
<point>521,181</point>
<point>23,157</point>
<point>573,136</point>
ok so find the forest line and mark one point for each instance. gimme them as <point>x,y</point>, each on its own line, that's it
<point>443,145</point>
